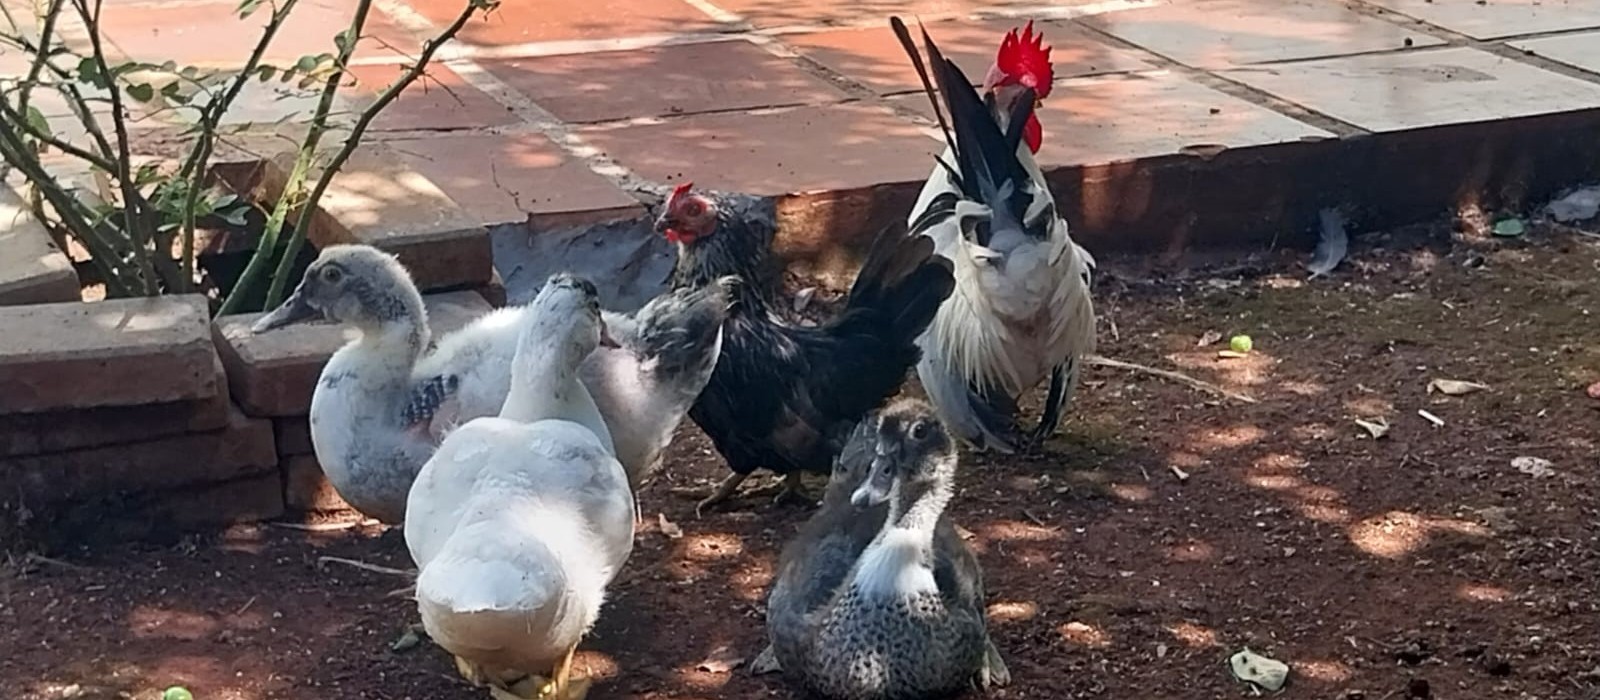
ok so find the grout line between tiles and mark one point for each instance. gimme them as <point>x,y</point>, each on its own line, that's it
<point>1234,88</point>
<point>525,108</point>
<point>1498,47</point>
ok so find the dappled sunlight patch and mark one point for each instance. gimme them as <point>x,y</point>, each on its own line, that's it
<point>1325,513</point>
<point>1369,407</point>
<point>1318,494</point>
<point>1185,460</point>
<point>147,622</point>
<point>750,582</point>
<point>1013,611</point>
<point>1397,533</point>
<point>1483,593</point>
<point>1303,388</point>
<point>1279,461</point>
<point>1313,431</point>
<point>1193,636</point>
<point>1391,535</point>
<point>1136,493</point>
<point>1084,635</point>
<point>1192,551</point>
<point>595,664</point>
<point>1016,531</point>
<point>1250,370</point>
<point>1323,671</point>
<point>1232,437</point>
<point>1272,482</point>
<point>711,546</point>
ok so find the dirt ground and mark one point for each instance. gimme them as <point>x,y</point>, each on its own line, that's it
<point>1163,530</point>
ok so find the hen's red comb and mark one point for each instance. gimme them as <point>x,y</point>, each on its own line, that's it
<point>1026,60</point>
<point>680,191</point>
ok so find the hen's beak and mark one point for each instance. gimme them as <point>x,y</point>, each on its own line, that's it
<point>293,310</point>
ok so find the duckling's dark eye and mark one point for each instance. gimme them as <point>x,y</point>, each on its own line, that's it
<point>332,275</point>
<point>919,431</point>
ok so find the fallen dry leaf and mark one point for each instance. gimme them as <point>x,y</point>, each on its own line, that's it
<point>721,660</point>
<point>1230,355</point>
<point>1454,387</point>
<point>1208,338</point>
<point>1376,428</point>
<point>668,528</point>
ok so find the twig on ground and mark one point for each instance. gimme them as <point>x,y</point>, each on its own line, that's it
<point>1169,374</point>
<point>374,568</point>
<point>36,558</point>
<point>317,527</point>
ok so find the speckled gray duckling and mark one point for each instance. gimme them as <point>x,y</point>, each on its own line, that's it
<point>878,596</point>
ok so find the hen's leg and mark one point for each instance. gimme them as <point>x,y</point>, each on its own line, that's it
<point>723,492</point>
<point>793,490</point>
<point>1054,403</point>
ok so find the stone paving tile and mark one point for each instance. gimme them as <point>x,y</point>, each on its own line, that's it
<point>507,178</point>
<point>874,57</point>
<point>439,99</point>
<point>381,199</point>
<point>522,21</point>
<point>120,352</point>
<point>1412,90</point>
<point>668,80</point>
<point>211,33</point>
<point>1577,50</point>
<point>800,150</point>
<point>778,13</point>
<point>1086,120</point>
<point>32,269</point>
<point>1223,33</point>
<point>1494,19</point>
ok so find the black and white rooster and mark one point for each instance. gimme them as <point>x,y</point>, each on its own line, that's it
<point>1021,309</point>
<point>782,396</point>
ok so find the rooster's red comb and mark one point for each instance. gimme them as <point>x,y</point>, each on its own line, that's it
<point>1026,59</point>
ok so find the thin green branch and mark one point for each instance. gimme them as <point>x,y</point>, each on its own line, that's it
<point>18,119</point>
<point>196,168</point>
<point>134,219</point>
<point>67,208</point>
<point>42,57</point>
<point>280,279</point>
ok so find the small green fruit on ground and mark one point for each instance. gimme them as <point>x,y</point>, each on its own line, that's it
<point>1241,344</point>
<point>177,692</point>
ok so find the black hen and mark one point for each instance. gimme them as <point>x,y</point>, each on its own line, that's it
<point>785,397</point>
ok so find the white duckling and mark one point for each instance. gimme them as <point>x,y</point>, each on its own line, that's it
<point>384,400</point>
<point>519,522</point>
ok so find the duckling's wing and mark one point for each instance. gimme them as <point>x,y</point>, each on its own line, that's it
<point>478,359</point>
<point>956,569</point>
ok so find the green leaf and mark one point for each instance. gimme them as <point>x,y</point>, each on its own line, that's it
<point>342,40</point>
<point>224,199</point>
<point>265,73</point>
<point>89,72</point>
<point>142,92</point>
<point>189,72</point>
<point>248,7</point>
<point>235,216</point>
<point>167,226</point>
<point>37,121</point>
<point>169,67</point>
<point>306,64</point>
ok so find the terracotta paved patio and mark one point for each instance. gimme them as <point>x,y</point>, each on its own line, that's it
<point>1172,122</point>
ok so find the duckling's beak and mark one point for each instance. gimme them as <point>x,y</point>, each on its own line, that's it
<point>606,341</point>
<point>293,310</point>
<point>880,478</point>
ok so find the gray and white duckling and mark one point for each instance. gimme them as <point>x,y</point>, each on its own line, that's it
<point>386,399</point>
<point>520,521</point>
<point>878,596</point>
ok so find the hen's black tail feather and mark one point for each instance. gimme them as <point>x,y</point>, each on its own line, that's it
<point>901,285</point>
